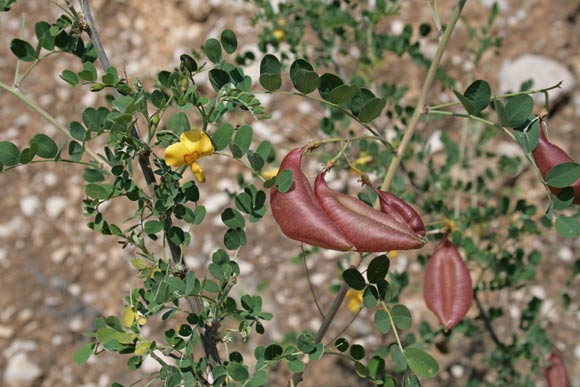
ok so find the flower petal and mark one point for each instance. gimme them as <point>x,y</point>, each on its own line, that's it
<point>198,172</point>
<point>175,154</point>
<point>197,141</point>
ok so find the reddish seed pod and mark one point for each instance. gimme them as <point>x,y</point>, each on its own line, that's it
<point>447,287</point>
<point>547,156</point>
<point>368,229</point>
<point>395,206</point>
<point>556,375</point>
<point>298,213</point>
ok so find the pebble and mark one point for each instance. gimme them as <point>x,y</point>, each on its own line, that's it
<point>55,205</point>
<point>21,371</point>
<point>565,254</point>
<point>543,71</point>
<point>457,371</point>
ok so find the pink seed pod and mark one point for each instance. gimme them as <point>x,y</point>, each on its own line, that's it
<point>556,375</point>
<point>447,287</point>
<point>368,229</point>
<point>393,205</point>
<point>298,213</point>
<point>547,156</point>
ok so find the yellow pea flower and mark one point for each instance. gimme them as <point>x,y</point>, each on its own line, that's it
<point>279,35</point>
<point>270,173</point>
<point>392,254</point>
<point>354,300</point>
<point>192,145</point>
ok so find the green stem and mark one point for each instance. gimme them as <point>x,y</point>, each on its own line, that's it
<point>50,161</point>
<point>44,114</point>
<point>393,326</point>
<point>422,97</point>
<point>471,117</point>
<point>501,96</point>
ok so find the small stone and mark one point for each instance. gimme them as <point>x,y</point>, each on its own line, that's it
<point>20,371</point>
<point>76,324</point>
<point>577,351</point>
<point>29,205</point>
<point>565,254</point>
<point>59,255</point>
<point>457,371</point>
<point>538,292</point>
<point>55,205</point>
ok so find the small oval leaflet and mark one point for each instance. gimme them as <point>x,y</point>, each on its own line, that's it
<point>284,180</point>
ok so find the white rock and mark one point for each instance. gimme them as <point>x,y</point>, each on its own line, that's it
<point>29,205</point>
<point>541,70</point>
<point>434,143</point>
<point>20,371</point>
<point>538,292</point>
<point>55,205</point>
<point>565,254</point>
<point>577,352</point>
<point>503,4</point>
<point>457,371</point>
<point>50,179</point>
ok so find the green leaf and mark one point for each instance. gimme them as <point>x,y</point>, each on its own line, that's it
<point>260,378</point>
<point>237,371</point>
<point>357,351</point>
<point>299,64</point>
<point>47,148</point>
<point>342,94</point>
<point>23,50</point>
<point>420,362</point>
<point>234,238</point>
<point>9,154</point>
<point>219,78</point>
<point>273,351</point>
<point>378,269</point>
<point>69,77</point>
<point>270,65</point>
<point>382,321</point>
<point>222,136</point>
<point>328,82</point>
<point>27,154</point>
<point>98,191</point>
<point>306,81</point>
<point>178,123</point>
<point>296,365</point>
<point>77,130</point>
<point>89,72</point>
<point>567,226</point>
<point>501,113</point>
<point>213,50</point>
<point>467,105</point>
<point>564,198</point>
<point>256,161</point>
<point>92,175</point>
<point>75,151</point>
<point>401,317</point>
<point>479,95</point>
<point>284,180</point>
<point>518,109</point>
<point>233,219</point>
<point>528,138</point>
<point>152,227</point>
<point>82,354</point>
<point>199,214</point>
<point>354,279</point>
<point>264,150</point>
<point>42,31</point>
<point>398,358</point>
<point>563,175</point>
<point>372,109</point>
<point>229,41</point>
<point>271,82</point>
<point>243,138</point>
<point>360,99</point>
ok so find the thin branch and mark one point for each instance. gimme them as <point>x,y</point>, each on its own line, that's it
<point>208,333</point>
<point>422,97</point>
<point>310,283</point>
<point>486,322</point>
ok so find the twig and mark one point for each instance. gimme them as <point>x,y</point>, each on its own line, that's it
<point>486,321</point>
<point>310,284</point>
<point>422,97</point>
<point>208,333</point>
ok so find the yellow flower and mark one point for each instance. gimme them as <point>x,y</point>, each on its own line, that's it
<point>392,254</point>
<point>354,300</point>
<point>270,173</point>
<point>279,35</point>
<point>191,146</point>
